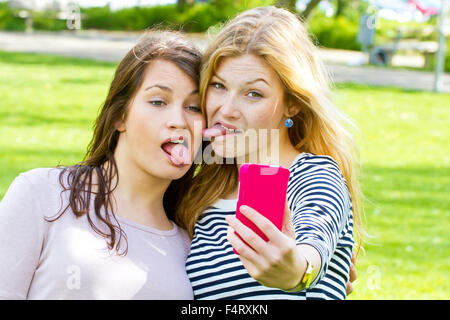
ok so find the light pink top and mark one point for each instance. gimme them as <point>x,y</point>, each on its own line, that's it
<point>66,259</point>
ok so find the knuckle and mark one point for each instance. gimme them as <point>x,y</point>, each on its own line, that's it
<point>265,227</point>
<point>239,247</point>
<point>276,259</point>
<point>288,249</point>
<point>251,237</point>
<point>242,249</point>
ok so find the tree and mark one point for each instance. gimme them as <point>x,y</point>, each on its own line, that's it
<point>309,8</point>
<point>287,4</point>
<point>340,5</point>
<point>290,5</point>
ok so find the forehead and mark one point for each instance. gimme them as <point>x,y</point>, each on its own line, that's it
<point>167,72</point>
<point>245,66</point>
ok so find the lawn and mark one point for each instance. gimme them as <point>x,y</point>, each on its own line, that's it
<point>48,105</point>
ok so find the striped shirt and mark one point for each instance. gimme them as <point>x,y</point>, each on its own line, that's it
<point>321,212</point>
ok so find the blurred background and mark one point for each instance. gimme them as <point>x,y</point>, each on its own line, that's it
<point>390,62</point>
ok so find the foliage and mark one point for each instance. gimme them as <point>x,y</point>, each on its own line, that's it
<point>340,32</point>
<point>196,18</point>
<point>8,19</point>
<point>337,32</point>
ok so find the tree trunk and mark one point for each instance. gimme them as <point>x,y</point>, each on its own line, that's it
<point>287,4</point>
<point>340,6</point>
<point>309,8</point>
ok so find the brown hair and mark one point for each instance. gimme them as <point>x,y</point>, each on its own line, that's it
<point>319,128</point>
<point>99,159</point>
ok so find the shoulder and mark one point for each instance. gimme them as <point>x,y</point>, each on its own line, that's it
<point>318,174</point>
<point>39,176</point>
<point>41,180</point>
<point>36,189</point>
<point>308,161</point>
<point>183,235</point>
<point>30,197</point>
<point>309,166</point>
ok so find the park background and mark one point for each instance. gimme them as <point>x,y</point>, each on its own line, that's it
<point>56,66</point>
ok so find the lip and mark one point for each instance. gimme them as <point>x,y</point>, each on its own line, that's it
<point>185,140</point>
<point>227,125</point>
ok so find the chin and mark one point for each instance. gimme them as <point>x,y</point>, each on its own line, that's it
<point>180,175</point>
<point>238,153</point>
<point>173,173</point>
<point>166,171</point>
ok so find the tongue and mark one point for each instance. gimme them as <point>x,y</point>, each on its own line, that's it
<point>180,154</point>
<point>214,131</point>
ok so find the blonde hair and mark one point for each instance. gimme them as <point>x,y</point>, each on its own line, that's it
<point>319,128</point>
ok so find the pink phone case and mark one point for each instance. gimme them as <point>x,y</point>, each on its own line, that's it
<point>263,188</point>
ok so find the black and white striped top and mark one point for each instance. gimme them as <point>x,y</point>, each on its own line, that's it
<point>321,212</point>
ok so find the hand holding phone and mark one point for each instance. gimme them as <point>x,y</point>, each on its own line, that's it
<point>263,188</point>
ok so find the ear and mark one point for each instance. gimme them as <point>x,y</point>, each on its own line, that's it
<point>292,109</point>
<point>120,125</point>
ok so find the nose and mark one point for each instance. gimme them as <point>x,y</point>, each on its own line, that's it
<point>176,118</point>
<point>229,109</point>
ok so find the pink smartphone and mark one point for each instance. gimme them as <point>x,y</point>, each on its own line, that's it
<point>263,188</point>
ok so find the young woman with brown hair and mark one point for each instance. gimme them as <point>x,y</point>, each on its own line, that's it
<point>116,237</point>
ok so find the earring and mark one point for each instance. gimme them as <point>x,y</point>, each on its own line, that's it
<point>289,123</point>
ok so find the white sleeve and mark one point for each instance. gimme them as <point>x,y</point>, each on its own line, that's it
<point>22,229</point>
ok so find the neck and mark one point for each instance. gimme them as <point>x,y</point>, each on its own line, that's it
<point>281,154</point>
<point>286,154</point>
<point>139,195</point>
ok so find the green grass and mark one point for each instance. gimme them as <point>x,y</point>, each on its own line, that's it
<point>404,143</point>
<point>48,105</point>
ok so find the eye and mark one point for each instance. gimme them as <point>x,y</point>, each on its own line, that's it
<point>217,85</point>
<point>157,103</point>
<point>254,94</point>
<point>196,109</point>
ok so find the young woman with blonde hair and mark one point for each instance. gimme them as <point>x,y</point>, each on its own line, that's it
<point>263,72</point>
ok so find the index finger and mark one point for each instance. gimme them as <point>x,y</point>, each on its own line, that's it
<point>265,225</point>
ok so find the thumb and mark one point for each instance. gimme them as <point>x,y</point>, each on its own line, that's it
<point>288,227</point>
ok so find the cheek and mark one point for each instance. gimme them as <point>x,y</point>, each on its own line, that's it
<point>264,115</point>
<point>141,125</point>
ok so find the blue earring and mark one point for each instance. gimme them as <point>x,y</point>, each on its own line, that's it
<point>289,123</point>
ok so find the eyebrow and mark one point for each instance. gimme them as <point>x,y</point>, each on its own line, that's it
<point>160,87</point>
<point>164,88</point>
<point>248,82</point>
<point>256,80</point>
